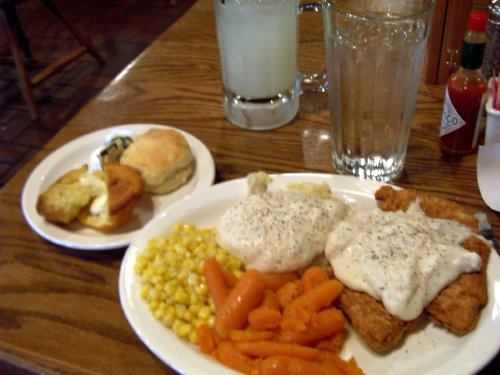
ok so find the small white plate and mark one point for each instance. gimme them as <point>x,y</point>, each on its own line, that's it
<point>76,153</point>
<point>430,351</point>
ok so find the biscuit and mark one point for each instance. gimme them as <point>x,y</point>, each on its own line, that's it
<point>163,158</point>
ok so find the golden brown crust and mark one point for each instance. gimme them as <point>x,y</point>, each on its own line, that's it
<point>70,198</point>
<point>124,187</point>
<point>457,307</point>
<point>64,199</point>
<point>163,158</point>
<point>393,200</point>
<point>379,329</point>
<point>107,222</point>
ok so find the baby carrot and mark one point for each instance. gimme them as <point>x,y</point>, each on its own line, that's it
<point>319,297</point>
<point>215,281</point>
<point>328,322</point>
<point>274,281</point>
<point>313,276</point>
<point>332,344</point>
<point>270,348</point>
<point>264,317</point>
<point>349,367</point>
<point>250,335</point>
<point>288,292</point>
<point>206,340</point>
<point>227,353</point>
<point>285,365</point>
<point>230,278</point>
<point>270,300</point>
<point>247,294</point>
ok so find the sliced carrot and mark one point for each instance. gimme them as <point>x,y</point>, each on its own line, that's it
<point>274,281</point>
<point>319,297</point>
<point>288,292</point>
<point>247,294</point>
<point>270,348</point>
<point>264,317</point>
<point>285,365</point>
<point>329,322</point>
<point>227,353</point>
<point>230,278</point>
<point>215,281</point>
<point>206,339</point>
<point>313,276</point>
<point>250,335</point>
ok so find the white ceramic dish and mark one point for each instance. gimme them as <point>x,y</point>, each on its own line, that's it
<point>431,351</point>
<point>76,153</point>
<point>488,172</point>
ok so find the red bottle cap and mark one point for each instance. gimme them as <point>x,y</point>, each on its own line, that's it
<point>477,21</point>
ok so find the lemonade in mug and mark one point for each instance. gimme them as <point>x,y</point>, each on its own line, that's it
<point>258,52</point>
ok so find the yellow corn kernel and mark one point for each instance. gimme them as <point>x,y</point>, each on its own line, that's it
<point>181,296</point>
<point>184,330</point>
<point>145,291</point>
<point>172,277</point>
<point>193,337</point>
<point>153,305</point>
<point>204,313</point>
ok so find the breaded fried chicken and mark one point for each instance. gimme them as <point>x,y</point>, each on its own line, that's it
<point>457,307</point>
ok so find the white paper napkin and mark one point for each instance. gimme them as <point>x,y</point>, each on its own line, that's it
<point>488,174</point>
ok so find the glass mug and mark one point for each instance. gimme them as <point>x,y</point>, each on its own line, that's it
<point>258,42</point>
<point>375,51</point>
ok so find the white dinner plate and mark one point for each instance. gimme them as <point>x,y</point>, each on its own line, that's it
<point>76,153</point>
<point>431,350</point>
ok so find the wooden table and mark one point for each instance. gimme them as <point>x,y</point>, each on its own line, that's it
<point>59,309</point>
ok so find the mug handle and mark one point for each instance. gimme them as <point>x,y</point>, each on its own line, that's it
<point>312,82</point>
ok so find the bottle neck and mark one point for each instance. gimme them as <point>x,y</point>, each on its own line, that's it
<point>472,55</point>
<point>473,50</point>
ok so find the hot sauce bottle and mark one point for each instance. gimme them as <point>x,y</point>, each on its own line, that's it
<point>465,92</point>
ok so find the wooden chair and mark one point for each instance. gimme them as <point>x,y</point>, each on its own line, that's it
<point>19,46</point>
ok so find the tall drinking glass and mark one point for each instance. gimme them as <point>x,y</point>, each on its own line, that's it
<point>375,51</point>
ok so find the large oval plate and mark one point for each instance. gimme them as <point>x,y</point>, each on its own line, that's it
<point>431,351</point>
<point>76,153</point>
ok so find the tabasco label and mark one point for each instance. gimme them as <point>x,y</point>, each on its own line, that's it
<point>451,120</point>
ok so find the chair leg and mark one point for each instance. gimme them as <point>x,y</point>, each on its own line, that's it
<point>83,39</point>
<point>20,36</point>
<point>23,77</point>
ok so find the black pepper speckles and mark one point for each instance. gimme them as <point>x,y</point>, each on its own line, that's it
<point>401,258</point>
<point>287,228</point>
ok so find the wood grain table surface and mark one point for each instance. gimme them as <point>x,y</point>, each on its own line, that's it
<point>59,308</point>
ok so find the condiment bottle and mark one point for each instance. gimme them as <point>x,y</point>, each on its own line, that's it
<point>492,50</point>
<point>465,93</point>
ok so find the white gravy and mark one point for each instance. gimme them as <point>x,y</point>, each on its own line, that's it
<point>278,231</point>
<point>403,259</point>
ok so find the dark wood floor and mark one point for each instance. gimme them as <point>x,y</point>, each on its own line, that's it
<point>120,29</point>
